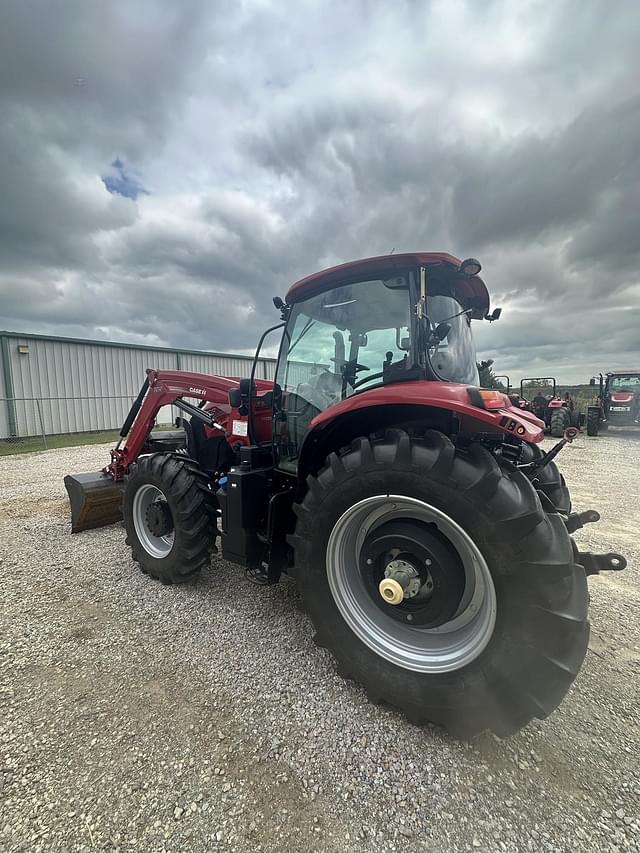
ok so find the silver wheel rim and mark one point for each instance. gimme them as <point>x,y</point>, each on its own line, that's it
<point>156,546</point>
<point>448,647</point>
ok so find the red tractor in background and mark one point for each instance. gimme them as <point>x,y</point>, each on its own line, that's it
<point>556,412</point>
<point>428,534</point>
<point>617,403</point>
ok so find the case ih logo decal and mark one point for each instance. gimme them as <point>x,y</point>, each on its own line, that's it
<point>198,391</point>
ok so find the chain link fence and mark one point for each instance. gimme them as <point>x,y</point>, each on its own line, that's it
<point>40,423</point>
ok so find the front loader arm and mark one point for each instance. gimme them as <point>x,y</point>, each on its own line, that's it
<point>96,497</point>
<point>162,388</point>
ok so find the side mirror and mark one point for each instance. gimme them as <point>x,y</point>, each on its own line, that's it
<point>592,381</point>
<point>495,315</point>
<point>282,307</point>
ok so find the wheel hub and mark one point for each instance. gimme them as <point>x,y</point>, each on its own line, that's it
<point>412,573</point>
<point>401,580</point>
<point>158,518</point>
<point>390,539</point>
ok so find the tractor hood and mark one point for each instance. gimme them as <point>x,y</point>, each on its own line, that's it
<point>466,401</point>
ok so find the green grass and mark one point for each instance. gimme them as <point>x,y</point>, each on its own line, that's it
<point>28,445</point>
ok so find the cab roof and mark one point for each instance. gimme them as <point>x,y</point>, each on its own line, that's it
<point>469,290</point>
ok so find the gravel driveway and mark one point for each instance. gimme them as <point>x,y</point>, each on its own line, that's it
<point>136,716</point>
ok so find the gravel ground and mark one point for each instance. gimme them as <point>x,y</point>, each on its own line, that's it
<point>135,716</point>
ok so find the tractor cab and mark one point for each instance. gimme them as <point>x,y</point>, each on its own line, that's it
<point>374,323</point>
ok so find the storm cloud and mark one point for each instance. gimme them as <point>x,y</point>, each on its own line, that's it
<point>167,168</point>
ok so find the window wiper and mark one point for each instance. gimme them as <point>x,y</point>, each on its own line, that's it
<point>459,314</point>
<point>310,322</point>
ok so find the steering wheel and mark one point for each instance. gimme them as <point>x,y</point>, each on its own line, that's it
<point>367,379</point>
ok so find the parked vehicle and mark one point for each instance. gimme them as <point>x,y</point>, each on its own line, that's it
<point>618,401</point>
<point>427,532</point>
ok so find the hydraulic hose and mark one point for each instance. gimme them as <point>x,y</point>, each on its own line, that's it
<point>133,411</point>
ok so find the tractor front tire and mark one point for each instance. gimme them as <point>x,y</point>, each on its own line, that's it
<point>169,515</point>
<point>498,630</point>
<point>560,420</point>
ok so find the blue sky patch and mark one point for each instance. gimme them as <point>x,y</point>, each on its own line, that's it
<point>123,182</point>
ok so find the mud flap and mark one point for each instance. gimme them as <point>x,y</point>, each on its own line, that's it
<point>95,500</point>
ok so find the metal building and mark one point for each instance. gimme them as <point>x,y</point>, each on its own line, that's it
<point>59,385</point>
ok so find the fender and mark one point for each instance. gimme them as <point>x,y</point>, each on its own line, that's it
<point>500,414</point>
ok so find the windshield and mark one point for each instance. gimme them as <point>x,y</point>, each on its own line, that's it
<point>337,343</point>
<point>630,382</point>
<point>340,339</point>
<point>453,358</point>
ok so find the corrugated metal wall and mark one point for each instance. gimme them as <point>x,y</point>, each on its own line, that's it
<point>4,413</point>
<point>68,385</point>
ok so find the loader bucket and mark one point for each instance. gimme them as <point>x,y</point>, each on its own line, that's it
<point>95,500</point>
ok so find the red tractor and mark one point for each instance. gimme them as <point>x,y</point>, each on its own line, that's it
<point>558,413</point>
<point>428,534</point>
<point>618,401</point>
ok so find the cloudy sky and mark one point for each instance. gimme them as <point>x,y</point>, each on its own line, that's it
<point>166,168</point>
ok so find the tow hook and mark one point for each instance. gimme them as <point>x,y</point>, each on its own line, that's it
<point>569,434</point>
<point>576,520</point>
<point>593,564</point>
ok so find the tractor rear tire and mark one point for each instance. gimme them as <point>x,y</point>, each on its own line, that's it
<point>495,663</point>
<point>560,420</point>
<point>593,423</point>
<point>169,515</point>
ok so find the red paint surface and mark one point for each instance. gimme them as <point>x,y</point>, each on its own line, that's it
<point>441,395</point>
<point>165,386</point>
